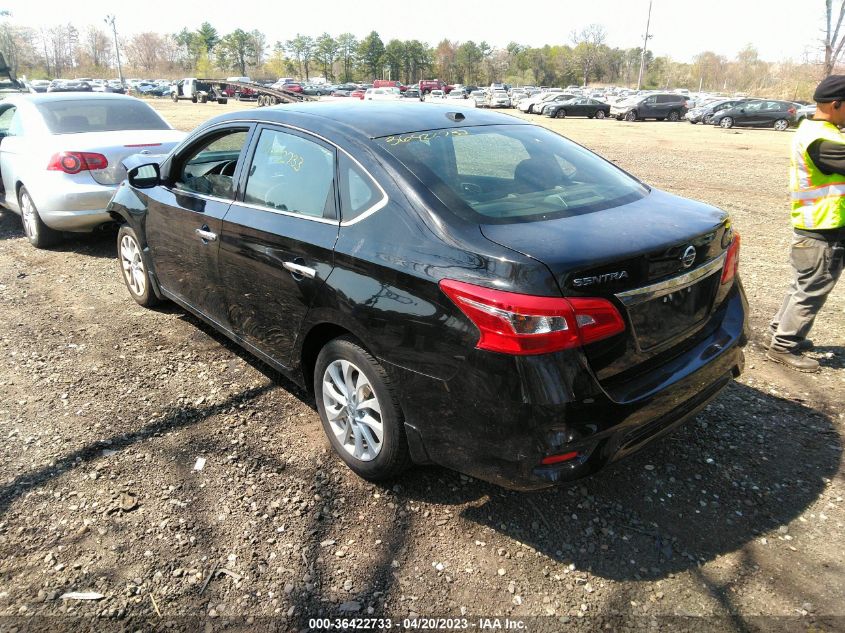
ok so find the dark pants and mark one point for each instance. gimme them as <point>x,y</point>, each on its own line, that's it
<point>817,264</point>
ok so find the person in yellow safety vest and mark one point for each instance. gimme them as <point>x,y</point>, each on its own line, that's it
<point>817,192</point>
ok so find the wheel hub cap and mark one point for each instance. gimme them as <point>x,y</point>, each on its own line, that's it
<point>352,410</point>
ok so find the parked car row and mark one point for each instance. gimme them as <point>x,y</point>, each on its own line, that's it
<point>283,228</point>
<point>729,113</point>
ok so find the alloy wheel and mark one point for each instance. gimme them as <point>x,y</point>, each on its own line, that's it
<point>781,125</point>
<point>727,122</point>
<point>28,217</point>
<point>133,265</point>
<point>353,410</point>
<point>600,114</point>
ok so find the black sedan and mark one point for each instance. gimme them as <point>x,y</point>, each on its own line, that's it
<point>703,113</point>
<point>580,106</point>
<point>454,286</point>
<point>757,113</point>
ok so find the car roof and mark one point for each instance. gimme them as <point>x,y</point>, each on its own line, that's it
<point>372,119</point>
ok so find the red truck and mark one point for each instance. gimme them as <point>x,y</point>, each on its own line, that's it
<point>427,85</point>
<point>387,83</point>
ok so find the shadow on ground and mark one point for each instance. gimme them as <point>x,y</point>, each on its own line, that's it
<point>100,243</point>
<point>747,465</point>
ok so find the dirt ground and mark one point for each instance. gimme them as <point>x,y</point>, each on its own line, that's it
<point>733,523</point>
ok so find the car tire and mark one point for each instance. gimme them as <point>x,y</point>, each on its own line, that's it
<point>133,268</point>
<point>560,114</point>
<point>674,116</point>
<point>660,118</point>
<point>39,234</point>
<point>175,97</point>
<point>631,116</point>
<point>204,99</point>
<point>726,123</point>
<point>600,114</point>
<point>781,125</point>
<point>222,100</point>
<point>194,99</point>
<point>343,362</point>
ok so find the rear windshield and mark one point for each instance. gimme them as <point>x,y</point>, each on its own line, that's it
<point>501,174</point>
<point>100,115</point>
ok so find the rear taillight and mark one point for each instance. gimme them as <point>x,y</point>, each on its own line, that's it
<point>557,459</point>
<point>731,260</point>
<point>513,323</point>
<point>792,110</point>
<point>75,162</point>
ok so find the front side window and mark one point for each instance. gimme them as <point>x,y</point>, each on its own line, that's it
<point>209,167</point>
<point>512,173</point>
<point>7,117</point>
<point>293,174</point>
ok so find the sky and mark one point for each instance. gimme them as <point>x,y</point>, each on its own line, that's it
<point>779,29</point>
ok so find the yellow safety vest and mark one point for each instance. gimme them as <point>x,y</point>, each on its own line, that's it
<point>818,199</point>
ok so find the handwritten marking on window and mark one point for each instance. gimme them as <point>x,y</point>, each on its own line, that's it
<point>425,137</point>
<point>282,156</point>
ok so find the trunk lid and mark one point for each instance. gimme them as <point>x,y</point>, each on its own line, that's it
<point>116,146</point>
<point>657,259</point>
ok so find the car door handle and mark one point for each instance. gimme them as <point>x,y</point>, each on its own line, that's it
<point>206,235</point>
<point>299,269</point>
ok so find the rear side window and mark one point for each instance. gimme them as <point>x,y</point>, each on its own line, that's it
<point>358,192</point>
<point>99,115</point>
<point>290,173</point>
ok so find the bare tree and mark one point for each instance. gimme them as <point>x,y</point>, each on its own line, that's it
<point>833,40</point>
<point>589,48</point>
<point>96,46</point>
<point>145,50</point>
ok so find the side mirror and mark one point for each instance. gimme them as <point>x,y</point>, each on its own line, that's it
<point>144,176</point>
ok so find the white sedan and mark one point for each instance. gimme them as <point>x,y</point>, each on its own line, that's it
<point>61,153</point>
<point>382,94</point>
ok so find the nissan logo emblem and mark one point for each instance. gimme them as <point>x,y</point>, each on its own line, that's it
<point>688,257</point>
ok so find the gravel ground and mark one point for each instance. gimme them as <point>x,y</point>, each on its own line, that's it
<point>733,523</point>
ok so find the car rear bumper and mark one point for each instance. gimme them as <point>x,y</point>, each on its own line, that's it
<point>498,418</point>
<point>73,206</point>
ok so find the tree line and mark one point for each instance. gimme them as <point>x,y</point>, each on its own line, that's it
<point>586,58</point>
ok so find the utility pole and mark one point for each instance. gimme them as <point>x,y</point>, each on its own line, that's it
<point>645,46</point>
<point>110,20</point>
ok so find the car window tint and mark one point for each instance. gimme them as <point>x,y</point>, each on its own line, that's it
<point>293,174</point>
<point>99,115</point>
<point>358,193</point>
<point>753,106</point>
<point>511,173</point>
<point>472,159</point>
<point>209,168</point>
